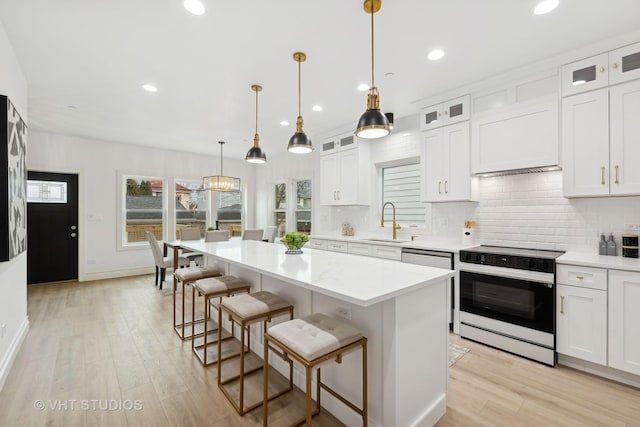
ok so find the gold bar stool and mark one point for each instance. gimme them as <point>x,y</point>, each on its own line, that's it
<point>186,276</point>
<point>313,341</point>
<point>212,287</point>
<point>244,310</point>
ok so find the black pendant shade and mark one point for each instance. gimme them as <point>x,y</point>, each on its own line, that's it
<point>299,143</point>
<point>256,155</point>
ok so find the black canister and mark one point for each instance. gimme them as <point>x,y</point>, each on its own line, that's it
<point>630,251</point>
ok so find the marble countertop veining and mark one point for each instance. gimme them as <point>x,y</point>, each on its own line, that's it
<point>360,280</point>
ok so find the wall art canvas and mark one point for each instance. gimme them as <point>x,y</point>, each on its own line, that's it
<point>13,182</point>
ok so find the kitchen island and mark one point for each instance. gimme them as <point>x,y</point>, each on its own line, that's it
<point>401,308</point>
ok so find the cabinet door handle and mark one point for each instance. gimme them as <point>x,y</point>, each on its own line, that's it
<point>561,304</point>
<point>602,169</point>
<point>446,191</point>
<point>439,184</point>
<point>615,65</point>
<point>338,194</point>
<point>617,181</point>
<point>602,69</point>
<point>579,277</point>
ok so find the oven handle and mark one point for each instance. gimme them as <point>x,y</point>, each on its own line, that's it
<point>511,273</point>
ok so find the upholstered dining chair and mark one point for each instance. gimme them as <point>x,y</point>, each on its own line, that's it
<point>162,262</point>
<point>216,236</point>
<point>255,234</point>
<point>269,234</point>
<point>191,233</point>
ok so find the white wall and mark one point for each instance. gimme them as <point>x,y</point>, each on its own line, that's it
<point>98,164</point>
<point>13,274</point>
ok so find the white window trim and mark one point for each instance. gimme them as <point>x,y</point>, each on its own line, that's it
<point>122,244</point>
<point>417,227</point>
<point>207,209</point>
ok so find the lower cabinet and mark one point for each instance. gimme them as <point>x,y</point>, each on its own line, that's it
<point>624,321</point>
<point>357,248</point>
<point>581,323</point>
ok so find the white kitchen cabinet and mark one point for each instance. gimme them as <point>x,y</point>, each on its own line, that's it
<point>359,248</point>
<point>339,143</point>
<point>337,246</point>
<point>445,160</point>
<point>600,142</point>
<point>617,66</point>
<point>344,177</point>
<point>446,113</point>
<point>317,244</point>
<point>581,312</point>
<point>624,318</point>
<point>521,136</point>
<point>387,252</point>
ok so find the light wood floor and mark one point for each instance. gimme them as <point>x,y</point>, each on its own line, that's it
<point>111,341</point>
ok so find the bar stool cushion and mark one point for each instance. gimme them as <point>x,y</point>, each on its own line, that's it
<point>191,274</point>
<point>315,335</point>
<point>222,284</point>
<point>255,304</point>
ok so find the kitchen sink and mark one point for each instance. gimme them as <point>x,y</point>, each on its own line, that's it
<point>387,240</point>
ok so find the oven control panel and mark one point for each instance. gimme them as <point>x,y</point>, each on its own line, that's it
<point>509,261</point>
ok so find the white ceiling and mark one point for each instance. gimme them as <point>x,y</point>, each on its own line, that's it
<point>85,61</point>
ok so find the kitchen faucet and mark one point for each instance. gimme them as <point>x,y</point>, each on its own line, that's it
<point>395,226</point>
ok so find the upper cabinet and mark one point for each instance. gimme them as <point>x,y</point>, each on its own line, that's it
<point>336,144</point>
<point>344,172</point>
<point>521,136</point>
<point>445,163</point>
<point>601,142</point>
<point>602,70</point>
<point>446,113</point>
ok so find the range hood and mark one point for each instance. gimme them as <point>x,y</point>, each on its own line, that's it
<point>519,171</point>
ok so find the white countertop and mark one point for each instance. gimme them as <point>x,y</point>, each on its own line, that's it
<point>601,261</point>
<point>360,280</point>
<point>427,243</point>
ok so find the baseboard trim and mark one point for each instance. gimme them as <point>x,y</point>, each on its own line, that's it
<point>12,352</point>
<point>433,413</point>
<point>113,274</point>
<point>599,370</point>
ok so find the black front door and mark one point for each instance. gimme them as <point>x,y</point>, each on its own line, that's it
<point>52,227</point>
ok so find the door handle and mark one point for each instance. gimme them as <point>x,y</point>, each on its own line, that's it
<point>334,195</point>
<point>446,190</point>
<point>602,172</point>
<point>617,181</point>
<point>561,304</point>
<point>338,194</point>
<point>439,184</point>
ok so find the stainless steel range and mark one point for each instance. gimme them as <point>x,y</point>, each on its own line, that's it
<point>507,298</point>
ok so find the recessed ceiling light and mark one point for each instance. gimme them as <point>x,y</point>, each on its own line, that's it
<point>194,6</point>
<point>284,123</point>
<point>435,54</point>
<point>317,107</point>
<point>363,87</point>
<point>149,87</point>
<point>545,6</point>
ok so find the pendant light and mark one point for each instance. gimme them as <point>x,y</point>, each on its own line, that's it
<point>255,153</point>
<point>372,124</point>
<point>221,182</point>
<point>299,143</point>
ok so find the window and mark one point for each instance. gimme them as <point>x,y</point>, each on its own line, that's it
<point>143,202</point>
<point>229,211</point>
<point>191,206</point>
<point>280,208</point>
<point>46,191</point>
<point>303,206</point>
<point>401,186</point>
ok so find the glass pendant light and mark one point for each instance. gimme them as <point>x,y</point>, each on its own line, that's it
<point>299,143</point>
<point>255,153</point>
<point>373,123</point>
<point>221,182</point>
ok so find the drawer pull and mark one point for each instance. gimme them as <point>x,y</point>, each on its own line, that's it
<point>579,277</point>
<point>561,304</point>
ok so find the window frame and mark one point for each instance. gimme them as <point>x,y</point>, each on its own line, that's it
<point>122,240</point>
<point>206,201</point>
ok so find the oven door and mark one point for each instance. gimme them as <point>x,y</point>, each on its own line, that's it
<point>513,300</point>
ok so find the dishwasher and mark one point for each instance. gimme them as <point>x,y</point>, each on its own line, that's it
<point>436,259</point>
